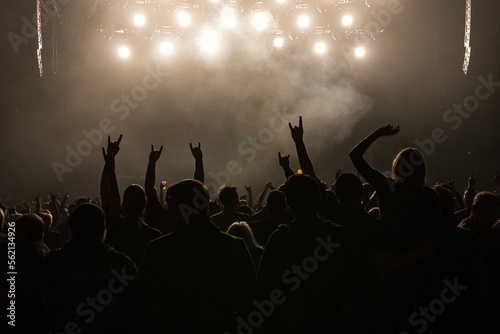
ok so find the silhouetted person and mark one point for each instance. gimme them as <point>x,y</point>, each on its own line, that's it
<point>83,277</point>
<point>195,279</point>
<point>243,231</point>
<point>310,262</point>
<point>129,234</point>
<point>229,199</point>
<point>411,211</point>
<point>30,254</point>
<point>276,215</point>
<point>51,237</point>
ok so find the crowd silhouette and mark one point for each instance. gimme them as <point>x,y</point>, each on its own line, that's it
<point>391,255</point>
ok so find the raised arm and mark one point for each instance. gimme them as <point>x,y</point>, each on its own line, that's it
<point>470,193</point>
<point>250,198</point>
<point>151,172</point>
<point>262,196</point>
<point>371,175</point>
<point>54,208</point>
<point>304,161</point>
<point>38,203</point>
<point>284,161</point>
<point>110,194</point>
<point>199,173</point>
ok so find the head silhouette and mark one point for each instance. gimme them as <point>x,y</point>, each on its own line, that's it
<point>409,166</point>
<point>134,200</point>
<point>88,221</point>
<point>228,197</point>
<point>188,200</point>
<point>29,227</point>
<point>348,189</point>
<point>485,208</point>
<point>276,202</point>
<point>302,195</point>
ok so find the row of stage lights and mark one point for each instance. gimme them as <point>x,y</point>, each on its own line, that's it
<point>208,22</point>
<point>209,44</point>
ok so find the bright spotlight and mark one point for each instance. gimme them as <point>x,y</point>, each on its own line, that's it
<point>281,1</point>
<point>320,47</point>
<point>360,52</point>
<point>139,20</point>
<point>228,17</point>
<point>167,48</point>
<point>260,20</point>
<point>124,52</point>
<point>184,19</point>
<point>303,21</point>
<point>347,20</point>
<point>278,42</point>
<point>209,42</point>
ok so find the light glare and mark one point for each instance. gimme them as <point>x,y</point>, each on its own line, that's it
<point>139,20</point>
<point>228,17</point>
<point>260,21</point>
<point>360,52</point>
<point>347,20</point>
<point>209,42</point>
<point>124,52</point>
<point>278,42</point>
<point>184,19</point>
<point>281,1</point>
<point>320,47</point>
<point>167,48</point>
<point>304,21</point>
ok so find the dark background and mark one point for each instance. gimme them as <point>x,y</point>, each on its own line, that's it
<point>410,75</point>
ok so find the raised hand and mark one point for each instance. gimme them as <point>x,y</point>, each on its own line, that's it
<point>53,197</point>
<point>297,131</point>
<point>155,154</point>
<point>114,146</point>
<point>471,181</point>
<point>269,185</point>
<point>163,184</point>
<point>387,130</point>
<point>66,197</point>
<point>284,160</point>
<point>496,176</point>
<point>196,151</point>
<point>248,189</point>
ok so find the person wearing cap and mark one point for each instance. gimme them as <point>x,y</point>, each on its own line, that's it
<point>83,277</point>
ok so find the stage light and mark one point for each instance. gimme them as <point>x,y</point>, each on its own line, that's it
<point>279,42</point>
<point>167,48</point>
<point>360,52</point>
<point>260,20</point>
<point>281,1</point>
<point>320,47</point>
<point>303,21</point>
<point>124,52</point>
<point>209,42</point>
<point>347,20</point>
<point>184,19</point>
<point>228,17</point>
<point>139,20</point>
